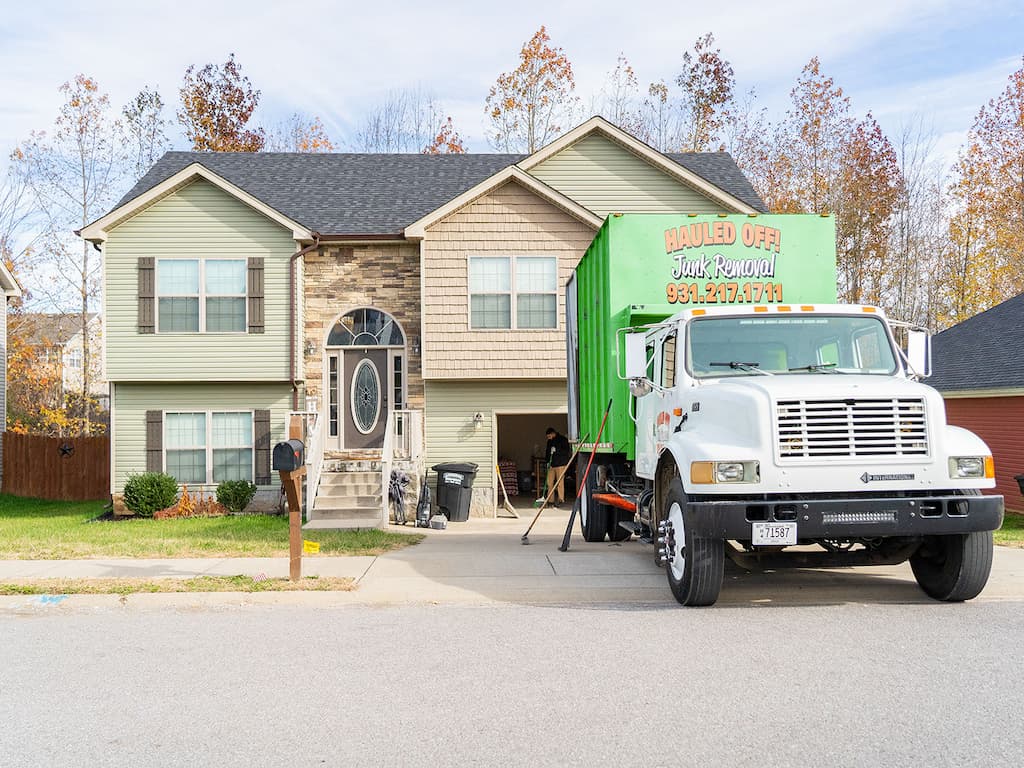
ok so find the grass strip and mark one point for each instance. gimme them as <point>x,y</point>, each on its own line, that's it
<point>196,584</point>
<point>37,529</point>
<point>1012,532</point>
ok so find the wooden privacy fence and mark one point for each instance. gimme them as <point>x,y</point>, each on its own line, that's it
<point>64,468</point>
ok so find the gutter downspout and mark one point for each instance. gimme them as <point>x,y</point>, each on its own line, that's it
<point>293,321</point>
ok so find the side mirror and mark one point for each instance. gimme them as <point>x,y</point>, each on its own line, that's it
<point>636,356</point>
<point>919,353</point>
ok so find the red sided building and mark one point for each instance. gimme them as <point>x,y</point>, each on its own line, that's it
<point>978,366</point>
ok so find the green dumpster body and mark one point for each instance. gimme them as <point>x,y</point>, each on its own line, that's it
<point>642,268</point>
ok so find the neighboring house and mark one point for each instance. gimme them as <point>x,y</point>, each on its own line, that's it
<point>978,366</point>
<point>9,288</point>
<point>240,287</point>
<point>58,341</point>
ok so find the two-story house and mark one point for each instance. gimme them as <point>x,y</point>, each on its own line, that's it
<point>240,287</point>
<point>60,346</point>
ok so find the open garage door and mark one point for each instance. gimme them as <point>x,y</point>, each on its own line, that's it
<point>521,454</point>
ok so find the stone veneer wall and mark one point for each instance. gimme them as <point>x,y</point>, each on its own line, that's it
<point>342,278</point>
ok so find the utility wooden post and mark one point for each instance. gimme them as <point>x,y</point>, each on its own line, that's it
<point>292,483</point>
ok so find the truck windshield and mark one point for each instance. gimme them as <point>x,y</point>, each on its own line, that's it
<point>788,344</point>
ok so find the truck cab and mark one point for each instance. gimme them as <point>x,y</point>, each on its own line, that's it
<point>799,435</point>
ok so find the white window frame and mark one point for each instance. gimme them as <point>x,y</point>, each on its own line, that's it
<point>209,448</point>
<point>512,293</point>
<point>202,296</point>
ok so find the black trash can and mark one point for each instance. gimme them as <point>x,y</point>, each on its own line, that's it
<point>1020,483</point>
<point>455,489</point>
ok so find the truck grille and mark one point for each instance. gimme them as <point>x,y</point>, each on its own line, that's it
<point>851,427</point>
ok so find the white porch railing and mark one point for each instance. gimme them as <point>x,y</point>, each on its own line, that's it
<point>313,438</point>
<point>403,440</point>
<point>408,435</point>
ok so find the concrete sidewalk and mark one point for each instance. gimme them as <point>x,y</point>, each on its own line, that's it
<point>484,561</point>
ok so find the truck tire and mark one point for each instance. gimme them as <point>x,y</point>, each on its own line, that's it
<point>953,568</point>
<point>697,564</point>
<point>615,531</point>
<point>593,518</point>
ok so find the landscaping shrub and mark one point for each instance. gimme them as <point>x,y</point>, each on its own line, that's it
<point>151,491</point>
<point>235,494</point>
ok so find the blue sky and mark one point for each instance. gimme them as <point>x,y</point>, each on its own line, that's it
<point>905,60</point>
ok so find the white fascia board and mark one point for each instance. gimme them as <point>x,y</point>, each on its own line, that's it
<point>97,231</point>
<point>994,392</point>
<point>641,150</point>
<point>417,230</point>
<point>8,283</point>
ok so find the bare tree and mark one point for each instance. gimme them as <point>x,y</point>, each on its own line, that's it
<point>406,120</point>
<point>74,175</point>
<point>146,130</point>
<point>619,99</point>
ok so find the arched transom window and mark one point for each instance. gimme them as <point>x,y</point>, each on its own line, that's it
<point>366,328</point>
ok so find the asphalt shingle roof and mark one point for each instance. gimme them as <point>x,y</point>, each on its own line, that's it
<point>983,352</point>
<point>377,193</point>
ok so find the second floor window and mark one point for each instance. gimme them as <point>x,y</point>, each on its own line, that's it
<point>201,295</point>
<point>513,292</point>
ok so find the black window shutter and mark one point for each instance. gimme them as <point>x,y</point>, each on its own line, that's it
<point>255,294</point>
<point>154,441</point>
<point>147,294</point>
<point>261,434</point>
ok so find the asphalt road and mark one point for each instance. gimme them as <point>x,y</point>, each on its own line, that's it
<point>514,685</point>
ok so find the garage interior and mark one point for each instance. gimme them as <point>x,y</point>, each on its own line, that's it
<point>521,455</point>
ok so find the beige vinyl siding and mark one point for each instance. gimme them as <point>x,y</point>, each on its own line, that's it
<point>604,177</point>
<point>509,221</point>
<point>198,220</point>
<point>451,435</point>
<point>131,401</point>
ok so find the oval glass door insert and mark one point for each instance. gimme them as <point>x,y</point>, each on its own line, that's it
<point>365,396</point>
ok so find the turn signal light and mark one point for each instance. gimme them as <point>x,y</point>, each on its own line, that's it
<point>990,467</point>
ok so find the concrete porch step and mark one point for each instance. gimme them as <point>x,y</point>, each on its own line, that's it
<point>348,489</point>
<point>366,514</point>
<point>346,502</point>
<point>346,479</point>
<point>339,465</point>
<point>338,525</point>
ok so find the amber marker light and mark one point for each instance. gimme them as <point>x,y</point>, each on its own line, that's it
<point>784,308</point>
<point>990,467</point>
<point>702,472</point>
<point>806,309</point>
<point>698,311</point>
<point>869,309</point>
<point>760,309</point>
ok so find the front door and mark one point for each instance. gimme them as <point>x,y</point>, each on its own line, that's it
<point>363,397</point>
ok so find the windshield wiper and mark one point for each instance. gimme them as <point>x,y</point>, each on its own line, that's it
<point>736,365</point>
<point>817,367</point>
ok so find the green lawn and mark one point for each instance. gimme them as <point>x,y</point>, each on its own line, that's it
<point>1012,532</point>
<point>35,529</point>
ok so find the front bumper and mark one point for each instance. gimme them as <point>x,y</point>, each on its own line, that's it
<point>832,518</point>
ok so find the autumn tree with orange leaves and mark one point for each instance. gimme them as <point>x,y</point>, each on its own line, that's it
<point>447,141</point>
<point>533,103</point>
<point>986,231</point>
<point>216,104</point>
<point>299,134</point>
<point>707,83</point>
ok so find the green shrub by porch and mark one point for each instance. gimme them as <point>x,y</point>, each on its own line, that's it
<point>150,492</point>
<point>235,495</point>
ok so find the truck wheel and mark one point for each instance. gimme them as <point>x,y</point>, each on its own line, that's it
<point>593,519</point>
<point>953,568</point>
<point>696,565</point>
<point>615,531</point>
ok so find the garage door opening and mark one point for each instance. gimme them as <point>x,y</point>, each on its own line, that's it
<point>521,455</point>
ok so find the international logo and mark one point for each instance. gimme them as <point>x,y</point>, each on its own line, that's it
<point>867,478</point>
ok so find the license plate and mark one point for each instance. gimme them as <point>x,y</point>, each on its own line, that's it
<point>773,534</point>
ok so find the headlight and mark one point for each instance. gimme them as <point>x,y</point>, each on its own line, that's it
<point>962,467</point>
<point>709,472</point>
